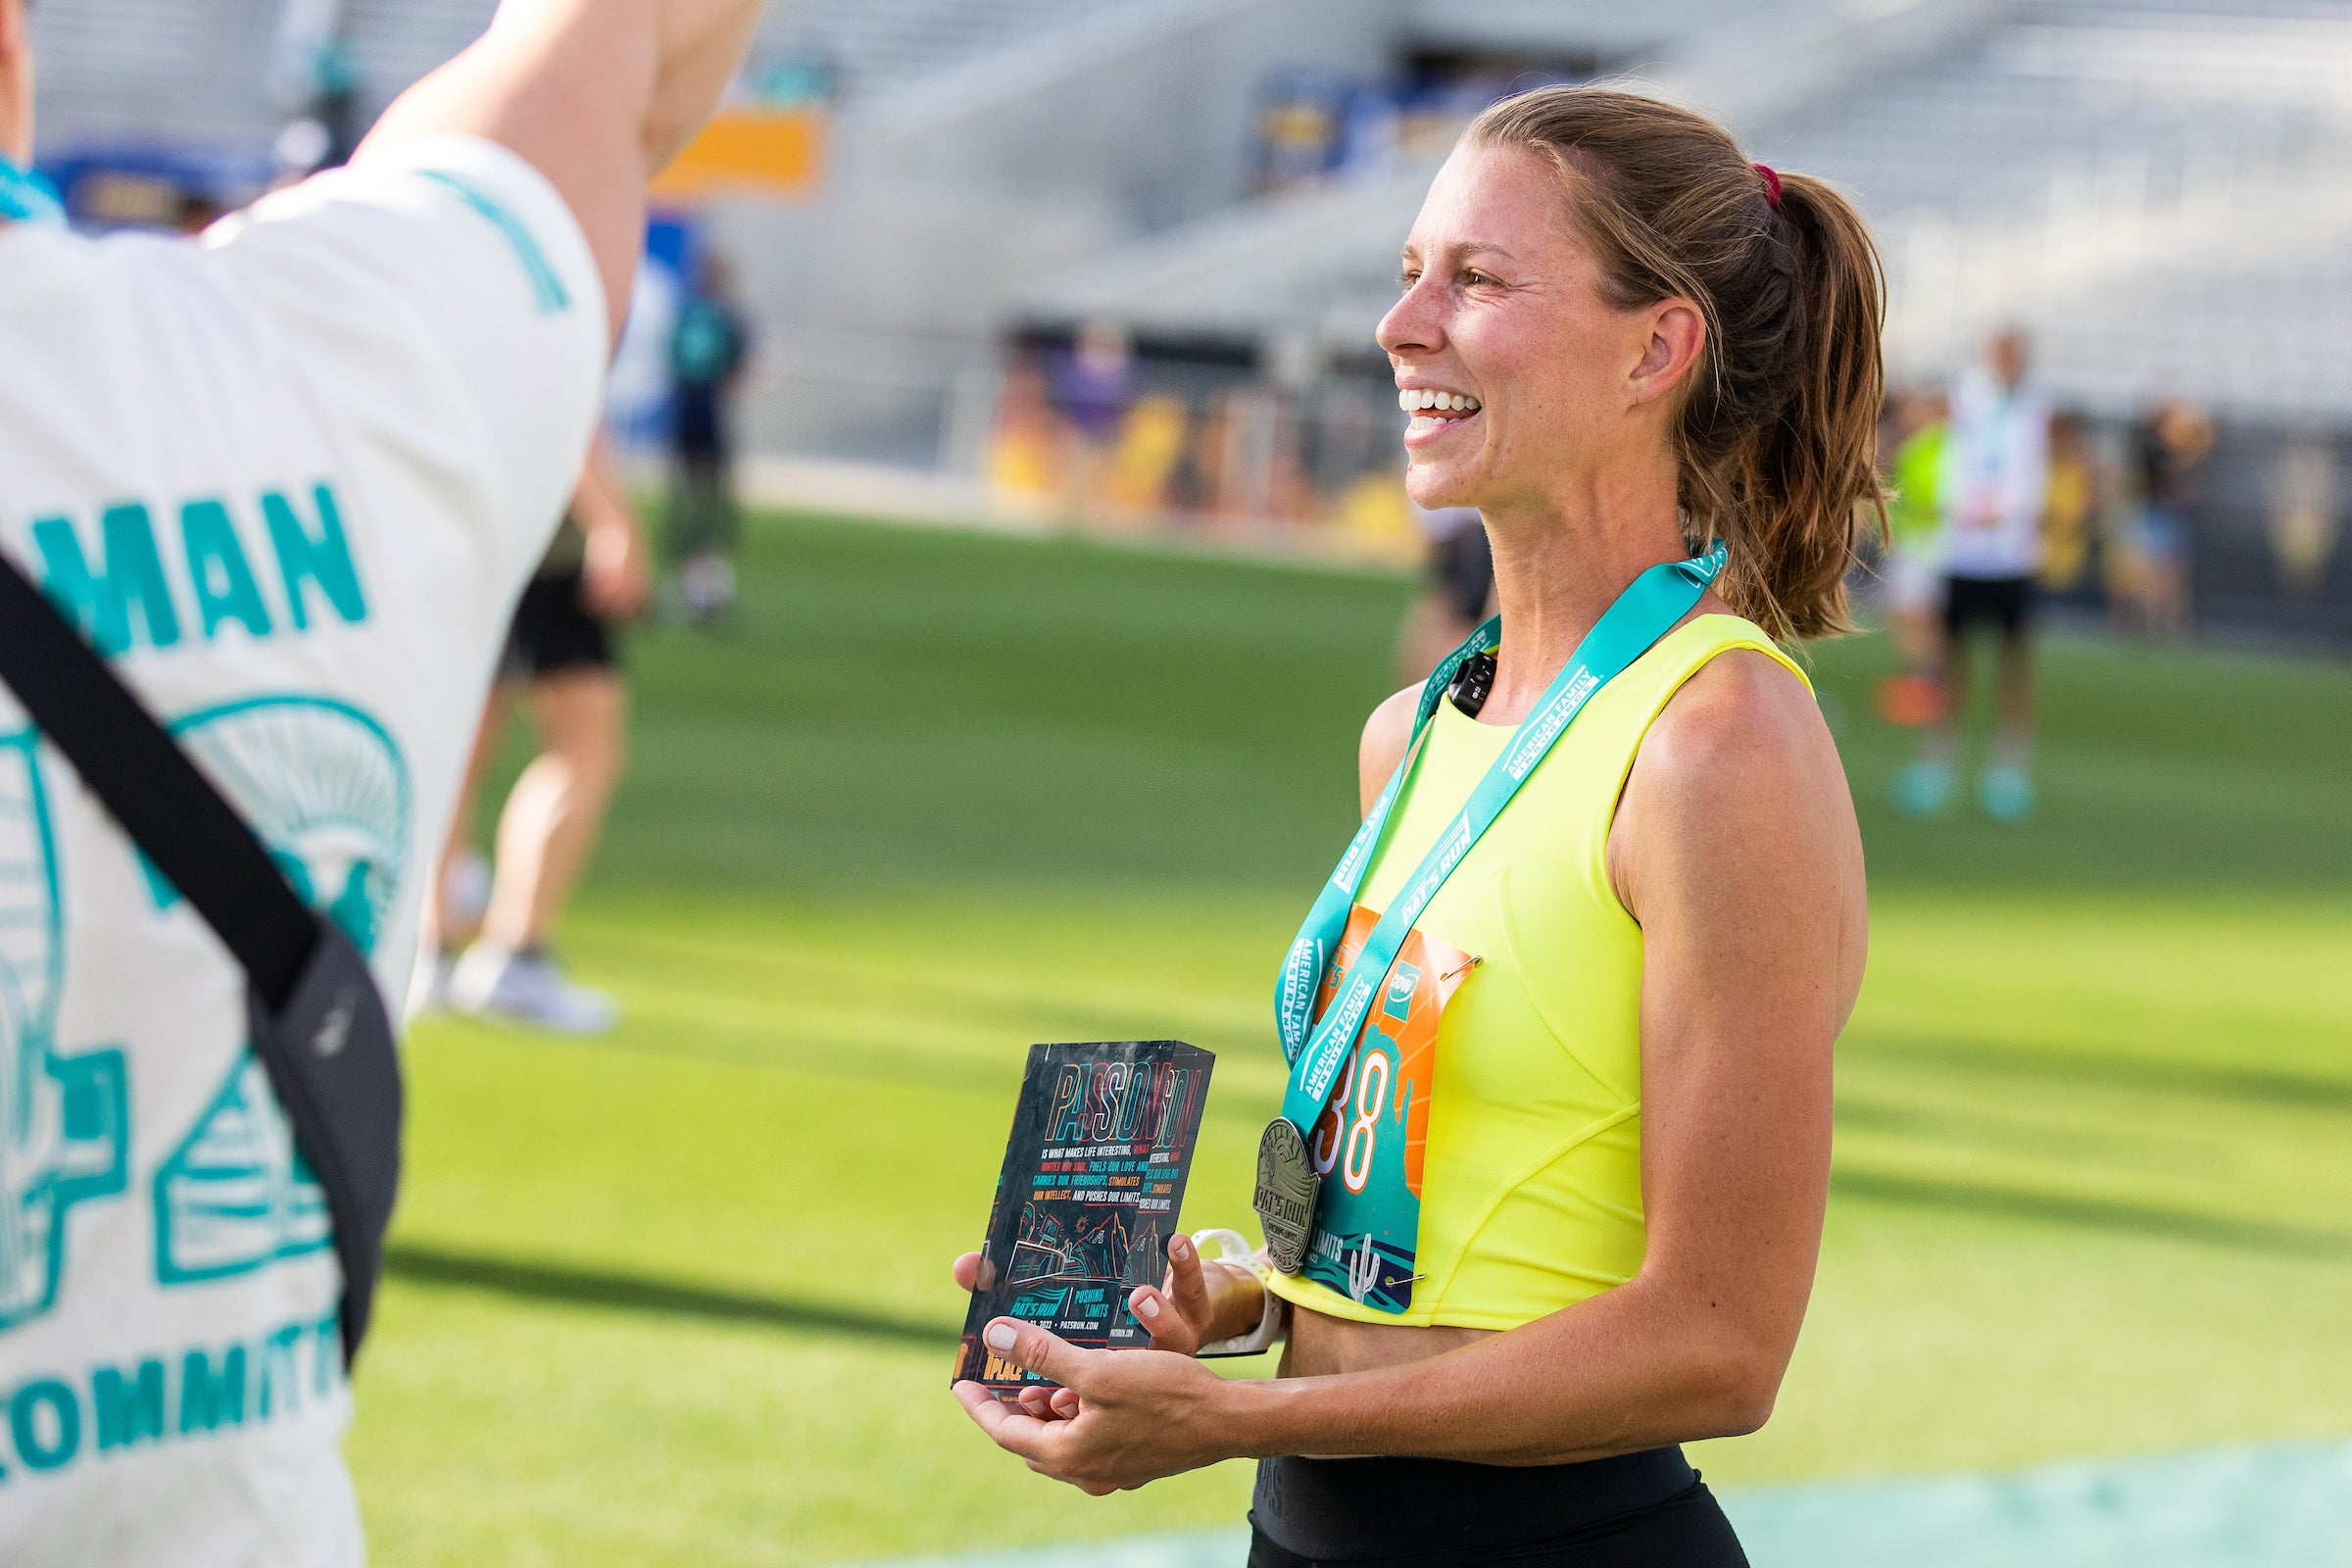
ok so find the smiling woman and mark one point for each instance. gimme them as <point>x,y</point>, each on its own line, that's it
<point>1546,1195</point>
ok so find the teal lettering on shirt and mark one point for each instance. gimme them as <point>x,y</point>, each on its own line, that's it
<point>225,585</point>
<point>209,1399</point>
<point>51,1427</point>
<point>44,1445</point>
<point>281,1382</point>
<point>130,576</point>
<point>130,1409</point>
<point>130,590</point>
<point>323,561</point>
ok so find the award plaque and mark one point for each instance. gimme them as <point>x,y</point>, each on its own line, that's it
<point>1092,1181</point>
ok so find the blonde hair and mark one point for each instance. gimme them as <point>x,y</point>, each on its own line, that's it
<point>1776,435</point>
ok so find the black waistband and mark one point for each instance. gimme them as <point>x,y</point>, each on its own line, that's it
<point>1371,1508</point>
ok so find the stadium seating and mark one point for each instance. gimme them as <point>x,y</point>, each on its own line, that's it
<point>2160,191</point>
<point>874,46</point>
<point>155,71</point>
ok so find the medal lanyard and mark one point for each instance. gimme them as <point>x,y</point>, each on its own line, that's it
<point>1642,615</point>
<point>28,197</point>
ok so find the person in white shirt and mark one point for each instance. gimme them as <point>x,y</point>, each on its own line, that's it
<point>290,479</point>
<point>1993,491</point>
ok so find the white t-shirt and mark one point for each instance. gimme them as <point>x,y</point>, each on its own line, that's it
<point>292,476</point>
<point>1996,479</point>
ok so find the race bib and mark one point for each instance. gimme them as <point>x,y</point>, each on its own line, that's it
<point>1368,1143</point>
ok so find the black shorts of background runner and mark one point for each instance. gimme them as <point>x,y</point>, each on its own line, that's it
<point>554,631</point>
<point>1461,567</point>
<point>2004,602</point>
<point>1635,1510</point>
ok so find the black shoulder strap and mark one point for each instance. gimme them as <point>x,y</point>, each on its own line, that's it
<point>170,808</point>
<point>316,1021</point>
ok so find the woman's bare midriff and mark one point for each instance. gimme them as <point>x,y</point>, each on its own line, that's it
<point>1320,1346</point>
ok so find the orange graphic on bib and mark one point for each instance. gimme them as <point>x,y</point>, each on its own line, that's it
<point>1366,1109</point>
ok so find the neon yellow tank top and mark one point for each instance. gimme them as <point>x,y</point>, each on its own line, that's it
<point>1531,1195</point>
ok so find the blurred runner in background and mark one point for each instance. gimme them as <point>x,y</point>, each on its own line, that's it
<point>1911,573</point>
<point>559,652</point>
<point>1457,590</point>
<point>707,350</point>
<point>1993,487</point>
<point>2168,447</point>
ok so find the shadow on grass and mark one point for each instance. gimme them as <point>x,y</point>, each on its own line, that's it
<point>2097,1213</point>
<point>575,1286</point>
<point>2258,1086</point>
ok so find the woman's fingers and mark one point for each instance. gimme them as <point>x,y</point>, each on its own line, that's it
<point>1169,1329</point>
<point>1048,1403</point>
<point>1185,1285</point>
<point>1035,1350</point>
<point>968,1271</point>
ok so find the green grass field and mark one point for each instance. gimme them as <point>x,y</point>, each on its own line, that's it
<point>680,1297</point>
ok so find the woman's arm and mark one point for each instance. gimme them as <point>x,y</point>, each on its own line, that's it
<point>598,95</point>
<point>1736,848</point>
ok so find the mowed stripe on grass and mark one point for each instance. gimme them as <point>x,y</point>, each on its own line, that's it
<point>679,1295</point>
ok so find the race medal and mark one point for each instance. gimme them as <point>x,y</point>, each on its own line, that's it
<point>1286,1194</point>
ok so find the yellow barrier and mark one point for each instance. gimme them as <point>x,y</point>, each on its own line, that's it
<point>749,152</point>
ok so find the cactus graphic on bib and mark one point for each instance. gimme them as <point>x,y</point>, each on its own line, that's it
<point>64,1119</point>
<point>324,789</point>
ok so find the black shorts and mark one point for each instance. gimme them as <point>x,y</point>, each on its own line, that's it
<point>1636,1510</point>
<point>2005,603</point>
<point>555,630</point>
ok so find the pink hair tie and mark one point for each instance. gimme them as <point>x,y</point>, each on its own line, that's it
<point>1772,185</point>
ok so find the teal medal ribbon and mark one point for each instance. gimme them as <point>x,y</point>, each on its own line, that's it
<point>1287,1185</point>
<point>28,197</point>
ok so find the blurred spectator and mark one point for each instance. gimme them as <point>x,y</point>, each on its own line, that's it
<point>1095,390</point>
<point>1993,486</point>
<point>2069,505</point>
<point>1150,443</point>
<point>560,653</point>
<point>1026,451</point>
<point>2303,525</point>
<point>197,212</point>
<point>2168,447</point>
<point>706,348</point>
<point>1912,573</point>
<point>1301,127</point>
<point>1457,592</point>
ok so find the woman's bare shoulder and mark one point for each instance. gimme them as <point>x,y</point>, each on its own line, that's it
<point>1740,708</point>
<point>1740,764</point>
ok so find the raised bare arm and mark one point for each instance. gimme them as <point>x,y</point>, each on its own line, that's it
<point>597,95</point>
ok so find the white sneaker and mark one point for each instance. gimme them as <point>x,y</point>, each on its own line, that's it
<point>707,584</point>
<point>429,982</point>
<point>530,989</point>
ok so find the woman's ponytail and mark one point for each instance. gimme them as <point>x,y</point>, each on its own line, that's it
<point>1776,437</point>
<point>1813,481</point>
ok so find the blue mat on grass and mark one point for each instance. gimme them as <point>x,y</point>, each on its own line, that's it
<point>2269,1505</point>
